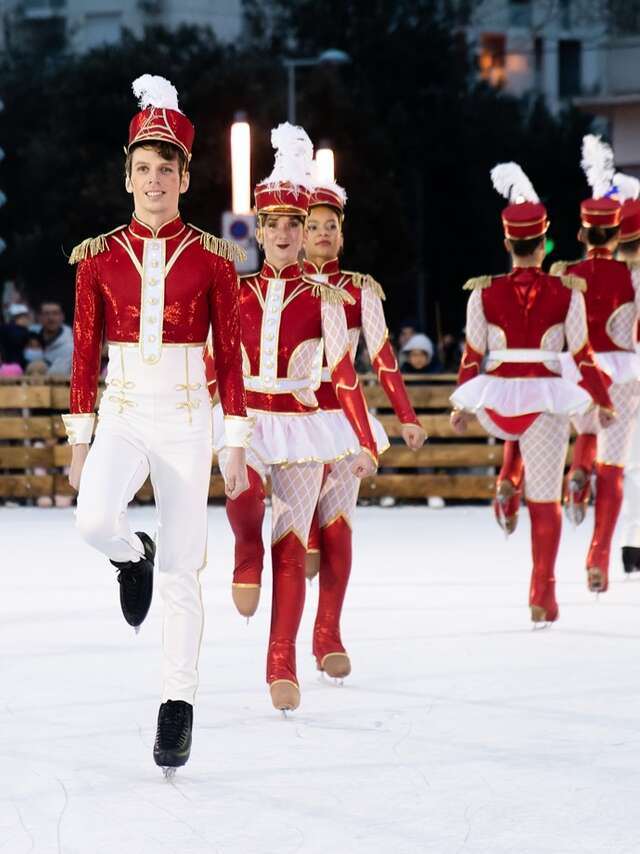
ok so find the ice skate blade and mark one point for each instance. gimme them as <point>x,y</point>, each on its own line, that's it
<point>169,772</point>
<point>337,665</point>
<point>136,630</point>
<point>595,580</point>
<point>285,695</point>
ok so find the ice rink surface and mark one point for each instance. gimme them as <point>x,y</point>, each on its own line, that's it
<point>460,731</point>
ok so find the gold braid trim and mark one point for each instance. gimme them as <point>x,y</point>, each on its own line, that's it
<point>332,295</point>
<point>91,247</point>
<point>364,280</point>
<point>478,282</point>
<point>226,249</point>
<point>576,283</point>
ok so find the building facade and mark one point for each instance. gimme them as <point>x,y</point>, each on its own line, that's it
<point>80,25</point>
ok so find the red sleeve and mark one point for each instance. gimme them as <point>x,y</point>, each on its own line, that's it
<point>88,323</point>
<point>348,391</point>
<point>385,365</point>
<point>225,322</point>
<point>470,364</point>
<point>210,371</point>
<point>594,380</point>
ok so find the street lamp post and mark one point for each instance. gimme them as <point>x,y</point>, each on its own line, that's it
<point>327,57</point>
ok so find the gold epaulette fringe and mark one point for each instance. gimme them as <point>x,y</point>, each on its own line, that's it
<point>226,249</point>
<point>478,282</point>
<point>364,280</point>
<point>633,265</point>
<point>91,247</point>
<point>576,283</point>
<point>559,268</point>
<point>331,295</point>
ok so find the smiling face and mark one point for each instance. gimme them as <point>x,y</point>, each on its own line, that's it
<point>281,238</point>
<point>323,237</point>
<point>156,184</point>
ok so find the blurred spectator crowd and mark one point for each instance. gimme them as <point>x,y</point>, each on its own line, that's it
<point>35,343</point>
<point>417,353</point>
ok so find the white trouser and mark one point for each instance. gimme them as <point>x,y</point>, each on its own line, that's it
<point>631,507</point>
<point>156,420</point>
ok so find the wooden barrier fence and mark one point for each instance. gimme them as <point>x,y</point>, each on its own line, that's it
<point>33,452</point>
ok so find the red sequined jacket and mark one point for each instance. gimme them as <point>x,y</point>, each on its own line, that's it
<point>288,321</point>
<point>532,311</point>
<point>612,301</point>
<point>364,314</point>
<point>170,286</point>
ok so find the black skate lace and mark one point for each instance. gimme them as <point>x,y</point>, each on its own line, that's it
<point>128,578</point>
<point>172,725</point>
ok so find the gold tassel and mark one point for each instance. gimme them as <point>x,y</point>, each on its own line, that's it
<point>478,282</point>
<point>226,249</point>
<point>92,246</point>
<point>576,283</point>
<point>364,280</point>
<point>331,295</point>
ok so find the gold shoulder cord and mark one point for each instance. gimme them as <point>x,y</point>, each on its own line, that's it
<point>91,247</point>
<point>478,283</point>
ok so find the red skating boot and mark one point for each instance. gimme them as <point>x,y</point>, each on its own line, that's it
<point>577,488</point>
<point>506,504</point>
<point>335,568</point>
<point>609,489</point>
<point>287,556</point>
<point>245,515</point>
<point>312,560</point>
<point>546,525</point>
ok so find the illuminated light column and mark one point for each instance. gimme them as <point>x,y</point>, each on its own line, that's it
<point>325,166</point>
<point>241,167</point>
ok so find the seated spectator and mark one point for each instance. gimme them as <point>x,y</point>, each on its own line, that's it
<point>450,351</point>
<point>34,355</point>
<point>418,352</point>
<point>57,338</point>
<point>14,334</point>
<point>407,330</point>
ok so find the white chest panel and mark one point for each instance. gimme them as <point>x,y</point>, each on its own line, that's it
<point>152,300</point>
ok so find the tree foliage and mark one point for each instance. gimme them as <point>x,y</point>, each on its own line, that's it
<point>415,138</point>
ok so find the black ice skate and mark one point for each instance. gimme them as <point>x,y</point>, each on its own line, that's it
<point>173,736</point>
<point>136,583</point>
<point>631,559</point>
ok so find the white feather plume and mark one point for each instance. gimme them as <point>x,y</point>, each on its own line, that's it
<point>511,182</point>
<point>294,156</point>
<point>628,187</point>
<point>154,91</point>
<point>339,191</point>
<point>598,165</point>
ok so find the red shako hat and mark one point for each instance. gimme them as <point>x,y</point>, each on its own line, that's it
<point>630,222</point>
<point>332,195</point>
<point>525,217</point>
<point>160,118</point>
<point>288,189</point>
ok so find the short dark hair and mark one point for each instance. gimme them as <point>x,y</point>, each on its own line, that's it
<point>598,236</point>
<point>167,150</point>
<point>522,248</point>
<point>630,247</point>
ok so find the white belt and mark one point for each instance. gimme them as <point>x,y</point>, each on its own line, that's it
<point>523,355</point>
<point>277,386</point>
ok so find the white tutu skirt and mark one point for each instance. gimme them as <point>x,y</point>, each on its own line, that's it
<point>622,366</point>
<point>512,397</point>
<point>322,437</point>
